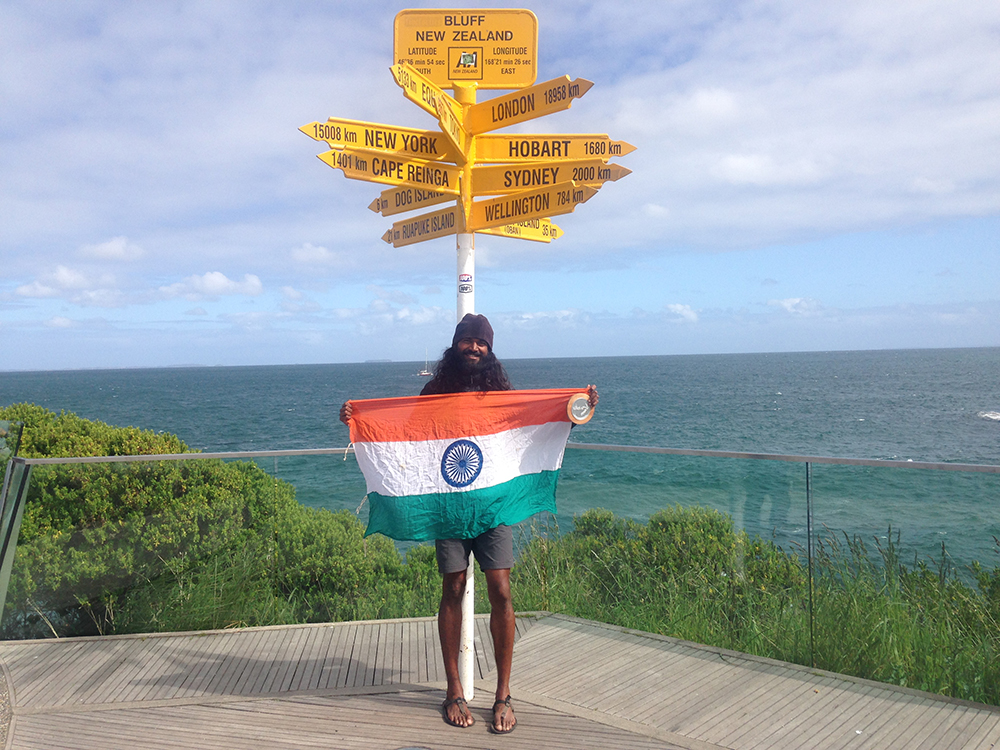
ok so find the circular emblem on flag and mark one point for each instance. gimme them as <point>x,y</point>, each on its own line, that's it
<point>461,463</point>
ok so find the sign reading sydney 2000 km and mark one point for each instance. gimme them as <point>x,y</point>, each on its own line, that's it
<point>509,185</point>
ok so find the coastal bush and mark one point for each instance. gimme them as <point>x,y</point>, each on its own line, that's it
<point>186,545</point>
<point>92,532</point>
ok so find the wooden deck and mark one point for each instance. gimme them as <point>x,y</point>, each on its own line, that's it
<point>577,684</point>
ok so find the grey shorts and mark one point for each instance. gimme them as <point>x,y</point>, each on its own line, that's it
<point>493,549</point>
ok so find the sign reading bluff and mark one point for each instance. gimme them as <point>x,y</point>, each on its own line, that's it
<point>495,48</point>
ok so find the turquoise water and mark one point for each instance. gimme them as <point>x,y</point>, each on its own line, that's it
<point>920,405</point>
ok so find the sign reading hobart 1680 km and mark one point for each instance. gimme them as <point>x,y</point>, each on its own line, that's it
<point>491,47</point>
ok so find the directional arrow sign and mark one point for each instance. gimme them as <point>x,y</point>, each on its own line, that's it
<point>500,179</point>
<point>424,144</point>
<point>399,200</point>
<point>426,227</point>
<point>537,230</point>
<point>528,204</point>
<point>516,147</point>
<point>525,104</point>
<point>425,94</point>
<point>358,164</point>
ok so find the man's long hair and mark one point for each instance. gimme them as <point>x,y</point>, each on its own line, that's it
<point>452,374</point>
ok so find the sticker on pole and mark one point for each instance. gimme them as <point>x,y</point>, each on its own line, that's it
<point>578,409</point>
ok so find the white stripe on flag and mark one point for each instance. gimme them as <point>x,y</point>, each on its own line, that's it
<point>414,468</point>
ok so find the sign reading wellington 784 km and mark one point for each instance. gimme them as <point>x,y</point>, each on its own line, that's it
<point>507,185</point>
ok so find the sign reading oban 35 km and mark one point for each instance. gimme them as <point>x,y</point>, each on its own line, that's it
<point>493,48</point>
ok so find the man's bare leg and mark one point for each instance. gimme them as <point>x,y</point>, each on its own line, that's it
<point>450,632</point>
<point>502,628</point>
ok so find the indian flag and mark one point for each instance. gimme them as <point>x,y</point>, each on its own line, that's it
<point>455,465</point>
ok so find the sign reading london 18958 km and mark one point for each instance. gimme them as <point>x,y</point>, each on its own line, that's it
<point>502,185</point>
<point>493,48</point>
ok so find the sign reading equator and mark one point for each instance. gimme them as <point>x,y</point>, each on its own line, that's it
<point>494,48</point>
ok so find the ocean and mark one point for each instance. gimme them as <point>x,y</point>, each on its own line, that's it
<point>922,405</point>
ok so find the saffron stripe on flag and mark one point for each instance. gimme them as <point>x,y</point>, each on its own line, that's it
<point>456,415</point>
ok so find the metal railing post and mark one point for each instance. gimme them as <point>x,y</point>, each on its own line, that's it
<point>809,553</point>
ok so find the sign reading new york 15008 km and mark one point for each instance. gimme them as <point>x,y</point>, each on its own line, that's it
<point>492,48</point>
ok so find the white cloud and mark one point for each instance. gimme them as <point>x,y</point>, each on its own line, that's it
<point>118,248</point>
<point>797,305</point>
<point>684,312</point>
<point>212,285</point>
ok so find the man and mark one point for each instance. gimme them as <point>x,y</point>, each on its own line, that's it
<point>470,365</point>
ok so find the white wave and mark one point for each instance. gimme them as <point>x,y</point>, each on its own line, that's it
<point>994,415</point>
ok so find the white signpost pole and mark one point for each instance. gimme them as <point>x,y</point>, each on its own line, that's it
<point>466,303</point>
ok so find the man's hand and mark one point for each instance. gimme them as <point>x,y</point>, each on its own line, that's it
<point>592,397</point>
<point>345,412</point>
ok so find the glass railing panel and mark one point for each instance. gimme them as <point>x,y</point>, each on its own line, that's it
<point>763,498</point>
<point>931,517</point>
<point>99,542</point>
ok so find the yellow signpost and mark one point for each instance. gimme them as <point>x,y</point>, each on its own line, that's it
<point>528,204</point>
<point>441,223</point>
<point>429,97</point>
<point>515,147</point>
<point>424,144</point>
<point>360,164</point>
<point>538,230</point>
<point>499,179</point>
<point>494,48</point>
<point>525,104</point>
<point>399,200</point>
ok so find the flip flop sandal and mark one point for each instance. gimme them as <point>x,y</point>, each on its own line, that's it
<point>506,705</point>
<point>463,709</point>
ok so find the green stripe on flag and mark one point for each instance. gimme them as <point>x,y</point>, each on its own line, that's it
<point>462,515</point>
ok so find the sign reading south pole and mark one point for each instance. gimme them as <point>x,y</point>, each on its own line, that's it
<point>494,48</point>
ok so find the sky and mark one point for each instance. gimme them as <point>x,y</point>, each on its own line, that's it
<point>807,176</point>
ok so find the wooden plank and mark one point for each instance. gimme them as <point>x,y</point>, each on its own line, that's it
<point>842,724</point>
<point>974,720</point>
<point>737,699</point>
<point>784,702</point>
<point>337,659</point>
<point>232,666</point>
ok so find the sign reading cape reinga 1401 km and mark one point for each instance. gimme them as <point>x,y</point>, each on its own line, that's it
<point>505,185</point>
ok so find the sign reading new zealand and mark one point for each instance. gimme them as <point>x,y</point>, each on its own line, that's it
<point>493,48</point>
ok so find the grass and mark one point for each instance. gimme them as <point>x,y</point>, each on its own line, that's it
<point>689,575</point>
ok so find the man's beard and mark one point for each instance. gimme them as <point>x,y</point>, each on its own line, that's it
<point>473,367</point>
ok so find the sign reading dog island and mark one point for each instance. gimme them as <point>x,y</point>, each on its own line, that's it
<point>493,48</point>
<point>501,185</point>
